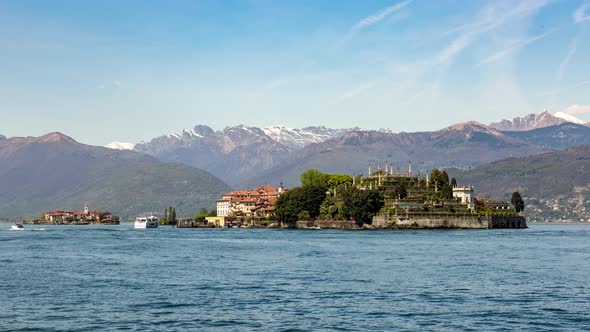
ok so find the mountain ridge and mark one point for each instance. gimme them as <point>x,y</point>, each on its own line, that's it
<point>555,184</point>
<point>54,171</point>
<point>462,145</point>
<point>242,154</point>
<point>535,121</point>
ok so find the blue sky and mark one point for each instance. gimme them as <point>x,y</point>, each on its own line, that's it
<point>104,71</point>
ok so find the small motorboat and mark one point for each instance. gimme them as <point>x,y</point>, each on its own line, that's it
<point>17,227</point>
<point>146,222</point>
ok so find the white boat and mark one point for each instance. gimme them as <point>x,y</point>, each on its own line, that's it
<point>17,227</point>
<point>146,222</point>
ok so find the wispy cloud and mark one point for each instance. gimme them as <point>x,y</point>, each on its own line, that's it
<point>379,16</point>
<point>563,64</point>
<point>491,17</point>
<point>454,48</point>
<point>580,14</point>
<point>503,53</point>
<point>117,83</point>
<point>577,109</point>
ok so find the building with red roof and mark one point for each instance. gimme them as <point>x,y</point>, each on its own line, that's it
<point>257,202</point>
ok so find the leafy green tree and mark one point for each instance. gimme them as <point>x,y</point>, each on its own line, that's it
<point>289,205</point>
<point>313,196</point>
<point>447,191</point>
<point>201,217</point>
<point>307,198</point>
<point>361,205</point>
<point>444,178</point>
<point>203,211</point>
<point>213,213</point>
<point>335,180</point>
<point>313,177</point>
<point>303,215</point>
<point>166,216</point>
<point>453,182</point>
<point>517,201</point>
<point>328,210</point>
<point>172,215</point>
<point>436,179</point>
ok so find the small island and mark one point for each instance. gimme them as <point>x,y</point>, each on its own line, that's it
<point>72,217</point>
<point>385,198</point>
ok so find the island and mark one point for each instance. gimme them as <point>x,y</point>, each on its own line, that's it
<point>384,198</point>
<point>72,217</point>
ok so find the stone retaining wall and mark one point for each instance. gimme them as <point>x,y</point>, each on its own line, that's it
<point>442,222</point>
<point>421,222</point>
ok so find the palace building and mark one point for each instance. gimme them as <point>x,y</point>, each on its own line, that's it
<point>257,202</point>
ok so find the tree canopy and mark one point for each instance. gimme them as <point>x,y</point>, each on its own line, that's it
<point>447,191</point>
<point>361,205</point>
<point>313,177</point>
<point>517,201</point>
<point>307,198</point>
<point>317,178</point>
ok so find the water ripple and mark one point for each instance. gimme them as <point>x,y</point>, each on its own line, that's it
<point>116,278</point>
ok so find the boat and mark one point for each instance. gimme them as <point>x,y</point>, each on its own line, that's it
<point>17,227</point>
<point>146,222</point>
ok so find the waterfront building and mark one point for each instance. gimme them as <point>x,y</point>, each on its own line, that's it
<point>62,216</point>
<point>406,192</point>
<point>257,202</point>
<point>465,194</point>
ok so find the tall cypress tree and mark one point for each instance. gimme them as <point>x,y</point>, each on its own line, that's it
<point>517,201</point>
<point>444,178</point>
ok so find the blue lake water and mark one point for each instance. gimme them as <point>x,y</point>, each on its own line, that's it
<point>82,278</point>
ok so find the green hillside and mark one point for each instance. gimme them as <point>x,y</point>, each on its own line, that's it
<point>55,172</point>
<point>555,184</point>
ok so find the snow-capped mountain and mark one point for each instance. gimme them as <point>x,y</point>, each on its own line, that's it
<point>120,146</point>
<point>569,118</point>
<point>236,151</point>
<point>231,153</point>
<point>531,121</point>
<point>298,138</point>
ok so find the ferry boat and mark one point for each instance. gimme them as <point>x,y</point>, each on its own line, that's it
<point>146,222</point>
<point>17,227</point>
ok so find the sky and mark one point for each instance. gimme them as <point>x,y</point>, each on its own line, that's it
<point>103,71</point>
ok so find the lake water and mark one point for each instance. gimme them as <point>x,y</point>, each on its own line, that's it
<point>81,278</point>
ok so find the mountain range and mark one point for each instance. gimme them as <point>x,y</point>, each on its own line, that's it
<point>243,156</point>
<point>535,121</point>
<point>54,172</point>
<point>462,145</point>
<point>189,169</point>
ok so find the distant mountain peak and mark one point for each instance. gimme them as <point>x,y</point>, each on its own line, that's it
<point>203,130</point>
<point>55,137</point>
<point>298,138</point>
<point>529,122</point>
<point>473,126</point>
